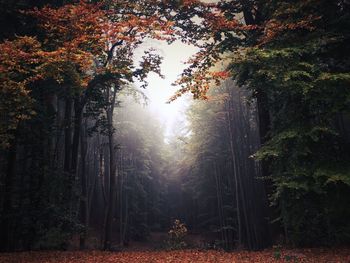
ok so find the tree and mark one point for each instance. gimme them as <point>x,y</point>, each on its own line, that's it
<point>83,52</point>
<point>306,98</point>
<point>287,54</point>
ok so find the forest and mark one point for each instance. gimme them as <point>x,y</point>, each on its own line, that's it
<point>255,167</point>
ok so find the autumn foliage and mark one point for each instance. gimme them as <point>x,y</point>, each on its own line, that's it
<point>76,54</point>
<point>61,80</point>
<point>223,32</point>
<point>18,68</point>
<point>181,256</point>
<point>176,235</point>
<point>76,43</point>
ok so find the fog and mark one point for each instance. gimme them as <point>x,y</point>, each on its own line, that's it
<point>159,89</point>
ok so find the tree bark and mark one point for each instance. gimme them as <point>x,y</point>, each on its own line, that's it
<point>67,133</point>
<point>84,205</point>
<point>112,176</point>
<point>5,236</point>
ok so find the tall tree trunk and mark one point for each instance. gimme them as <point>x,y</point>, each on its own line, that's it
<point>112,175</point>
<point>84,205</point>
<point>219,204</point>
<point>235,172</point>
<point>73,168</point>
<point>120,182</point>
<point>78,116</point>
<point>67,132</point>
<point>6,229</point>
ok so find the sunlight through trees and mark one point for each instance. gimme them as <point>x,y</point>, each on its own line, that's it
<point>230,118</point>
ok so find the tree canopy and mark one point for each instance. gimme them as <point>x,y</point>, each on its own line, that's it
<point>264,157</point>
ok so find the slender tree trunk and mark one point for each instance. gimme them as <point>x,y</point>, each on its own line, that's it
<point>73,168</point>
<point>126,213</point>
<point>121,175</point>
<point>84,206</point>
<point>67,133</point>
<point>218,199</point>
<point>235,173</point>
<point>112,174</point>
<point>95,175</point>
<point>6,229</point>
<point>78,110</point>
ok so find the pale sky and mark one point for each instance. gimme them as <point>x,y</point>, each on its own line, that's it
<point>160,90</point>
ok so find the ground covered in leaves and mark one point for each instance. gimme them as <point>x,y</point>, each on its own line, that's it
<point>182,256</point>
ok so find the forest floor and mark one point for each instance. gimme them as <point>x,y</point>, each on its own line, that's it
<point>182,256</point>
<point>153,250</point>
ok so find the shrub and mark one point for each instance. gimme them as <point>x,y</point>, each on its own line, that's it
<point>176,235</point>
